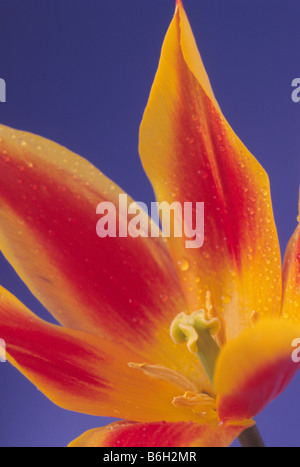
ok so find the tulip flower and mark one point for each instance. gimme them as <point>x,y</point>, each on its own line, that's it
<point>186,345</point>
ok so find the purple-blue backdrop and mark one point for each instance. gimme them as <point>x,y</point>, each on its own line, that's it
<point>79,72</point>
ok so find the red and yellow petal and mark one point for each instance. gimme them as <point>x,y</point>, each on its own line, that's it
<point>83,372</point>
<point>159,434</point>
<point>191,154</point>
<point>123,288</point>
<point>291,278</point>
<point>253,369</point>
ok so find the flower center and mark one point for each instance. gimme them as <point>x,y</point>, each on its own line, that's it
<point>196,330</point>
<point>200,402</point>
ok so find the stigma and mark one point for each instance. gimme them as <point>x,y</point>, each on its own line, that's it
<point>196,330</point>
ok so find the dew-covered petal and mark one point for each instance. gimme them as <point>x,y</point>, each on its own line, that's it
<point>83,372</point>
<point>159,434</point>
<point>191,154</point>
<point>253,369</point>
<point>291,278</point>
<point>123,288</point>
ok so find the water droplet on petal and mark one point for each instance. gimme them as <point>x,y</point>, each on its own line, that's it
<point>203,174</point>
<point>226,299</point>
<point>183,264</point>
<point>264,191</point>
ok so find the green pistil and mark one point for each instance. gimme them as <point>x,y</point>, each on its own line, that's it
<point>196,331</point>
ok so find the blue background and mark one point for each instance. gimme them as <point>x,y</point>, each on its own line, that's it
<point>79,72</point>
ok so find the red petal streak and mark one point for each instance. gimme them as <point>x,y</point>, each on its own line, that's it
<point>159,434</point>
<point>83,372</point>
<point>191,154</point>
<point>125,288</point>
<point>259,391</point>
<point>255,368</point>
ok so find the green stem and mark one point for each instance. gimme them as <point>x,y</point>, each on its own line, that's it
<point>251,438</point>
<point>208,352</point>
<point>196,331</point>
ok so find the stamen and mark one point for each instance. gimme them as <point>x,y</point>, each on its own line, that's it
<point>201,404</point>
<point>254,317</point>
<point>208,305</point>
<point>165,374</point>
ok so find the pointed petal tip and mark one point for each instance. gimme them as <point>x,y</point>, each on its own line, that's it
<point>197,156</point>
